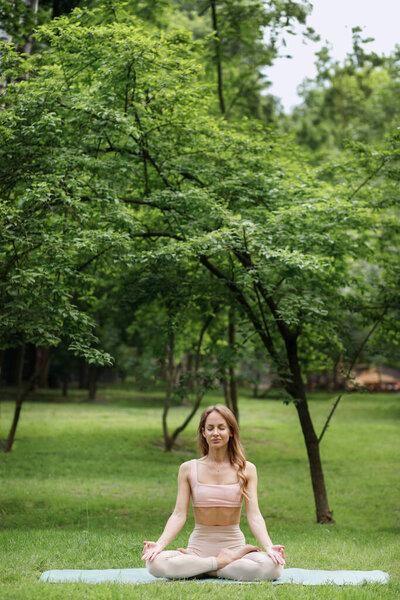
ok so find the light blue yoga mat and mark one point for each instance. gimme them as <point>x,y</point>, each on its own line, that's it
<point>137,576</point>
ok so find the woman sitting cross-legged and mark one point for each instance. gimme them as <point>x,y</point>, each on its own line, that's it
<point>217,482</point>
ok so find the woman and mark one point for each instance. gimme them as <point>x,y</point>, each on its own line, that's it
<point>217,482</point>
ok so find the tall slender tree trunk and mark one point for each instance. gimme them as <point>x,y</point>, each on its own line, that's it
<point>218,57</point>
<point>43,358</point>
<point>229,381</point>
<point>63,7</point>
<point>324,514</point>
<point>15,364</point>
<point>23,392</point>
<point>171,370</point>
<point>297,390</point>
<point>65,382</point>
<point>92,382</point>
<point>83,381</point>
<point>28,46</point>
<point>232,379</point>
<point>1,364</point>
<point>21,367</point>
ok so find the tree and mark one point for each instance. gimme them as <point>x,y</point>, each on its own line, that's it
<point>241,38</point>
<point>171,185</point>
<point>48,236</point>
<point>357,99</point>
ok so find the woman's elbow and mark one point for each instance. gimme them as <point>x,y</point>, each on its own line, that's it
<point>179,515</point>
<point>254,516</point>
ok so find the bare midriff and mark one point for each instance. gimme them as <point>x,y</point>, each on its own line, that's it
<point>217,515</point>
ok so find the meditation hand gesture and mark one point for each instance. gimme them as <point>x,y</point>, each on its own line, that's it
<point>150,550</point>
<point>277,553</point>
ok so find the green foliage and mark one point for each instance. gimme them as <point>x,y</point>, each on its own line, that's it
<point>357,100</point>
<point>16,19</point>
<point>120,162</point>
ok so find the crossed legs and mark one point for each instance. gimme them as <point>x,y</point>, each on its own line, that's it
<point>178,565</point>
<point>252,566</point>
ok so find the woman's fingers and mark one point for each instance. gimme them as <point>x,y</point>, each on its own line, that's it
<point>149,550</point>
<point>281,552</point>
<point>276,557</point>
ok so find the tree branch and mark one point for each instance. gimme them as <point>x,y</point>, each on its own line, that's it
<point>266,339</point>
<point>285,331</point>
<point>187,175</point>
<point>368,178</point>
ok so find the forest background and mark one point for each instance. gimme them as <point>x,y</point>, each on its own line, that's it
<point>163,219</point>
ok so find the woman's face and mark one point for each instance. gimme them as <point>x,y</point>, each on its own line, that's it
<point>216,430</point>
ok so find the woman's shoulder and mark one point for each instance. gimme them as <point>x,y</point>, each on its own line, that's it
<point>250,469</point>
<point>185,467</point>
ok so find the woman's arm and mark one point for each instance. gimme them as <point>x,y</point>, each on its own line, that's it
<point>255,518</point>
<point>176,520</point>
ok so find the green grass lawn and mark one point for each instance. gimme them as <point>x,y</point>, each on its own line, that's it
<point>86,483</point>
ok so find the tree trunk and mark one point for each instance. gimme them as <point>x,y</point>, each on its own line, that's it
<point>189,371</point>
<point>83,382</point>
<point>227,389</point>
<point>234,393</point>
<point>65,382</point>
<point>218,57</point>
<point>15,364</point>
<point>230,386</point>
<point>28,46</point>
<point>232,379</point>
<point>43,357</point>
<point>169,440</point>
<point>335,373</point>
<point>171,371</point>
<point>92,382</point>
<point>256,385</point>
<point>324,514</point>
<point>296,389</point>
<point>63,7</point>
<point>21,368</point>
<point>6,38</point>
<point>22,395</point>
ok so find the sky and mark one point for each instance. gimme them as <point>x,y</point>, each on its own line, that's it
<point>333,20</point>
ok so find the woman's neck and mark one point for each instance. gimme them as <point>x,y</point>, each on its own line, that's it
<point>218,455</point>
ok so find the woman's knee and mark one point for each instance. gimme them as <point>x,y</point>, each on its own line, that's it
<point>154,567</point>
<point>271,570</point>
<point>158,566</point>
<point>267,569</point>
<point>275,572</point>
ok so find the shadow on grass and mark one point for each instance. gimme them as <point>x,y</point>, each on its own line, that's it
<point>122,395</point>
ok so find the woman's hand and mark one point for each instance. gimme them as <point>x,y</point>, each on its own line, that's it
<point>151,550</point>
<point>277,553</point>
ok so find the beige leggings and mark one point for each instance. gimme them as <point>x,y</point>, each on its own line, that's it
<point>205,543</point>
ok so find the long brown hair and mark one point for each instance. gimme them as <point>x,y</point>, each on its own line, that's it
<point>235,448</point>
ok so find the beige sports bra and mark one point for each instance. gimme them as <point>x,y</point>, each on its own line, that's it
<point>209,494</point>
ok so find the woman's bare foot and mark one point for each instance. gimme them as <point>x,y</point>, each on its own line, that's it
<point>225,556</point>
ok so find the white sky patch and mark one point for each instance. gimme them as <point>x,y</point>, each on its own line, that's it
<point>333,21</point>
